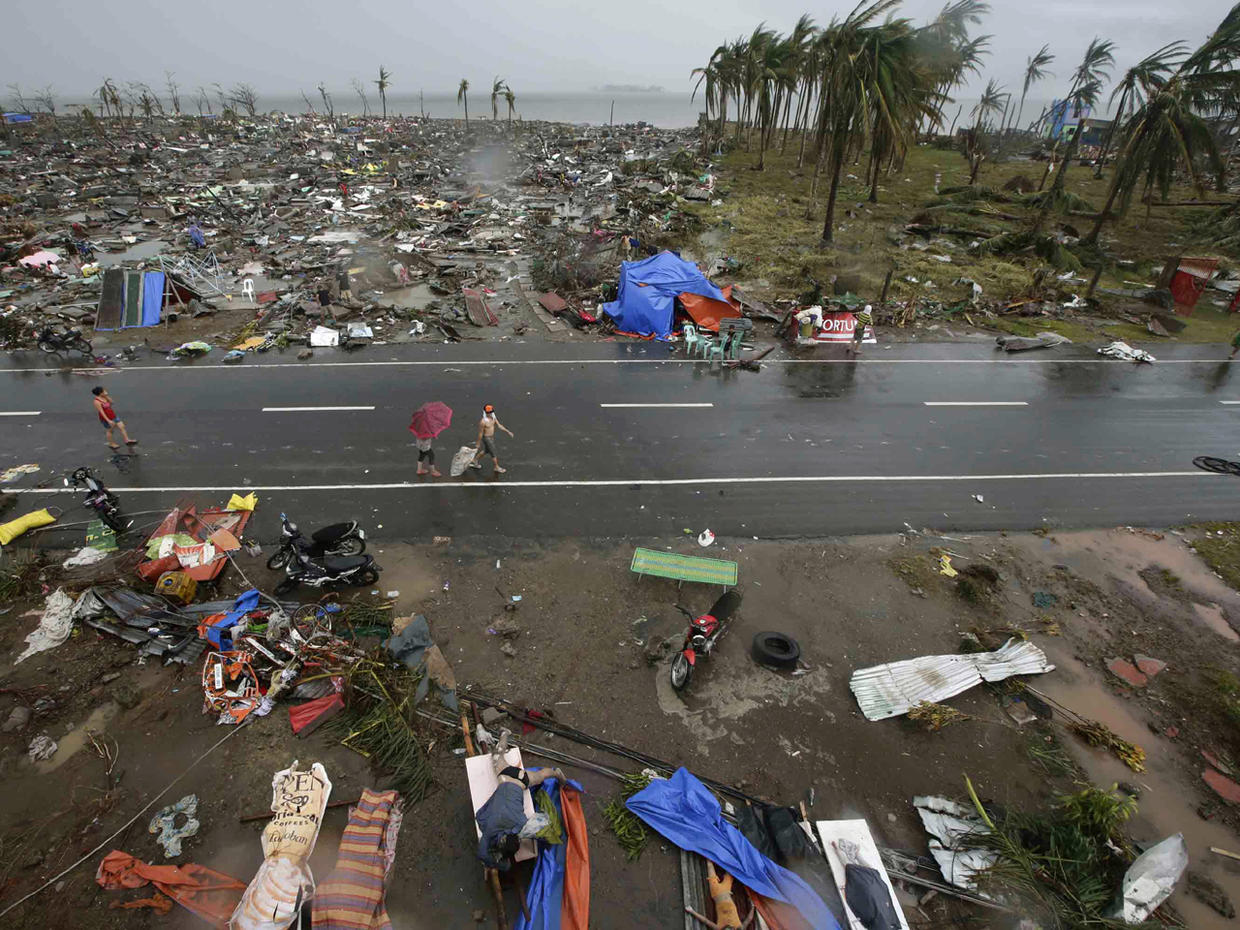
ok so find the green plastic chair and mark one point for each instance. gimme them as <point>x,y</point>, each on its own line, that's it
<point>691,338</point>
<point>718,348</point>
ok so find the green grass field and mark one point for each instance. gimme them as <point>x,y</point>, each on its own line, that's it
<point>774,229</point>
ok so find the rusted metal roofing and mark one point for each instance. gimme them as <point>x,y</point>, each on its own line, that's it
<point>891,690</point>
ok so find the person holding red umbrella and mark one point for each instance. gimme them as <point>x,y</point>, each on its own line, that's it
<point>429,421</point>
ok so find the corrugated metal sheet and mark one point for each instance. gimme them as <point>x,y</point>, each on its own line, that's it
<point>952,828</point>
<point>891,690</point>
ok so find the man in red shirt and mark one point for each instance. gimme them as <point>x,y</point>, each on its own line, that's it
<point>108,417</point>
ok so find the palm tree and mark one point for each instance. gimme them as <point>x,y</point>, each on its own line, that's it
<point>991,102</point>
<point>1139,81</point>
<point>462,95</point>
<point>497,88</point>
<point>383,84</point>
<point>511,99</point>
<point>1170,131</point>
<point>1035,70</point>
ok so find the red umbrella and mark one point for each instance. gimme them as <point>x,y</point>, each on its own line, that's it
<point>430,420</point>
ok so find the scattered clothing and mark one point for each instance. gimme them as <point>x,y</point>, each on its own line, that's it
<point>351,897</point>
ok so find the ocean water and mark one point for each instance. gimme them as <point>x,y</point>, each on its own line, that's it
<point>665,110</point>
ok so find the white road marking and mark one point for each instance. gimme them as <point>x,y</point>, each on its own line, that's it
<point>1229,403</point>
<point>633,482</point>
<point>656,405</point>
<point>505,363</point>
<point>976,403</point>
<point>19,413</point>
<point>307,409</point>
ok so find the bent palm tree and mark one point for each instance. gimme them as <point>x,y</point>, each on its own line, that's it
<point>1035,70</point>
<point>991,102</point>
<point>511,99</point>
<point>462,96</point>
<point>497,88</point>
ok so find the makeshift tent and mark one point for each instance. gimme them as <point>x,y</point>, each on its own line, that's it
<point>648,289</point>
<point>130,299</point>
<point>706,313</point>
<point>682,810</point>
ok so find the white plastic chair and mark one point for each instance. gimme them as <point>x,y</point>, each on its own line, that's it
<point>247,290</point>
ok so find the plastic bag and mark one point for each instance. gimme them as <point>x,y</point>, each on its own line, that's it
<point>1151,878</point>
<point>462,460</point>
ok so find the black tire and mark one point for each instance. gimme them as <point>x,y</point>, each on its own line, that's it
<point>285,586</point>
<point>49,347</point>
<point>775,649</point>
<point>280,559</point>
<point>350,546</point>
<point>81,345</point>
<point>681,672</point>
<point>369,576</point>
<point>112,519</point>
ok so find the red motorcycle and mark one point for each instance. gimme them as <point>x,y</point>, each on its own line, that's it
<point>702,636</point>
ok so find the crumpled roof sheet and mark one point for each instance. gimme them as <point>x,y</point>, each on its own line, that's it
<point>891,690</point>
<point>952,828</point>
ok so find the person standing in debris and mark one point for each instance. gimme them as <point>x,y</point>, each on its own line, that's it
<point>865,319</point>
<point>1235,345</point>
<point>346,288</point>
<point>107,416</point>
<point>486,438</point>
<point>426,456</point>
<point>502,819</point>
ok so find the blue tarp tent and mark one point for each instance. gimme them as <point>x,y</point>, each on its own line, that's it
<point>17,118</point>
<point>681,809</point>
<point>648,290</point>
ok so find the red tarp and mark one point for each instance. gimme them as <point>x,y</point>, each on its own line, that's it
<point>575,913</point>
<point>211,895</point>
<point>706,312</point>
<point>201,526</point>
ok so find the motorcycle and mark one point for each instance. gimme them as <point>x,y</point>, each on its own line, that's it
<point>702,636</point>
<point>99,498</point>
<point>53,342</point>
<point>330,569</point>
<point>337,539</point>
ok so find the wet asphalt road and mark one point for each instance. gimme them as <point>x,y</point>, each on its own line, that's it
<point>810,446</point>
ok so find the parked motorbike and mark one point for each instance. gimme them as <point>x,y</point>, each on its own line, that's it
<point>702,636</point>
<point>53,342</point>
<point>337,539</point>
<point>99,498</point>
<point>330,569</point>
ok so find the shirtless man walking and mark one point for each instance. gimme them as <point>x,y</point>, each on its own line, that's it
<point>486,438</point>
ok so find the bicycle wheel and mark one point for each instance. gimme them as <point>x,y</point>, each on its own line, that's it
<point>1218,466</point>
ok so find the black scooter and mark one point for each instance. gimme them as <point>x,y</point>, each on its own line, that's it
<point>330,569</point>
<point>338,539</point>
<point>99,499</point>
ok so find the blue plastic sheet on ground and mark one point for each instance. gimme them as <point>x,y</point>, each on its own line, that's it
<point>645,299</point>
<point>17,118</point>
<point>152,297</point>
<point>682,810</point>
<point>545,898</point>
<point>241,606</point>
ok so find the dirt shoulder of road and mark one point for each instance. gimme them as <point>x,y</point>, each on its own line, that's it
<point>587,647</point>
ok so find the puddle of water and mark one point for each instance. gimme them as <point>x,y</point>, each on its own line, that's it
<point>724,698</point>
<point>415,297</point>
<point>1165,807</point>
<point>1096,554</point>
<point>137,252</point>
<point>1212,616</point>
<point>78,737</point>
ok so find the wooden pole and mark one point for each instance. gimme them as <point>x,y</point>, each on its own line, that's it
<point>501,918</point>
<point>886,286</point>
<point>611,119</point>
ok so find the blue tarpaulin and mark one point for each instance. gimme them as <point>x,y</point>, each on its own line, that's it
<point>546,892</point>
<point>647,292</point>
<point>681,809</point>
<point>152,297</point>
<point>217,631</point>
<point>17,118</point>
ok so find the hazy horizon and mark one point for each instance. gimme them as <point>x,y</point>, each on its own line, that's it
<point>283,49</point>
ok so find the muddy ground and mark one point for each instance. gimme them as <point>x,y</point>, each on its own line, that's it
<point>585,653</point>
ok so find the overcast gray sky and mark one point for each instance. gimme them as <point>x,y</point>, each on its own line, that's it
<point>537,45</point>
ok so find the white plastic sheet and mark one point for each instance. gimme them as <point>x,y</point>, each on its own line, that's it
<point>1151,878</point>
